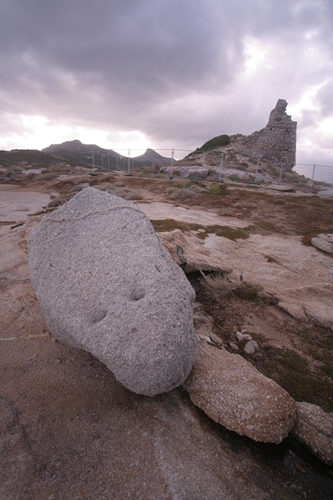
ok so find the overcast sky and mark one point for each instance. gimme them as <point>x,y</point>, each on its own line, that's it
<point>164,73</point>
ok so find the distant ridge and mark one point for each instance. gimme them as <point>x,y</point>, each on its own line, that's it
<point>150,156</point>
<point>77,152</point>
<point>76,146</point>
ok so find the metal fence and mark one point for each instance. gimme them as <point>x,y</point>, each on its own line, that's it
<point>108,161</point>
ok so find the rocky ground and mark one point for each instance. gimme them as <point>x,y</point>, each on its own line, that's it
<point>70,431</point>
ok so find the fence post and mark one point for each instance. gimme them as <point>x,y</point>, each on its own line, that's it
<point>257,169</point>
<point>171,163</point>
<point>313,172</point>
<point>129,163</point>
<point>221,167</point>
<point>93,160</point>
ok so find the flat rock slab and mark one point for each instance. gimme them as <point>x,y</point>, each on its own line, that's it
<point>106,284</point>
<point>314,428</point>
<point>195,256</point>
<point>280,187</point>
<point>233,393</point>
<point>16,203</point>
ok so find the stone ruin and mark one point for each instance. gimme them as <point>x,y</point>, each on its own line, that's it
<point>276,142</point>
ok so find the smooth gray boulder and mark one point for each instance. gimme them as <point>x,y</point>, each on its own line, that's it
<point>106,284</point>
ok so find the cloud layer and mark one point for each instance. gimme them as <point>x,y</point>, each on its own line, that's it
<point>174,72</point>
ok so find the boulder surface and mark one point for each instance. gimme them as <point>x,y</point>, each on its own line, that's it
<point>107,285</point>
<point>314,428</point>
<point>233,393</point>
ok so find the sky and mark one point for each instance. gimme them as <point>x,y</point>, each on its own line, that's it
<point>133,74</point>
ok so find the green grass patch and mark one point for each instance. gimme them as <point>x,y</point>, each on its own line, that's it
<point>215,189</point>
<point>292,372</point>
<point>167,225</point>
<point>228,232</point>
<point>218,141</point>
<point>183,184</point>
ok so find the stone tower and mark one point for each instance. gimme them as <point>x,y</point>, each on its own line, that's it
<point>276,142</point>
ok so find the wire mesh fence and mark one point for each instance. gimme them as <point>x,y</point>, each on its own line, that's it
<point>124,160</point>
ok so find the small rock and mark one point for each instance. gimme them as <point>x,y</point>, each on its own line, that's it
<point>323,242</point>
<point>214,338</point>
<point>246,336</point>
<point>300,467</point>
<point>233,346</point>
<point>239,336</point>
<point>251,347</point>
<point>243,336</point>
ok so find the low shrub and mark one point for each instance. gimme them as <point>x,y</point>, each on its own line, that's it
<point>214,189</point>
<point>216,288</point>
<point>180,194</point>
<point>220,140</point>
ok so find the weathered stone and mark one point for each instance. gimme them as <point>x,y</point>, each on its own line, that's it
<point>314,428</point>
<point>198,173</point>
<point>243,336</point>
<point>251,347</point>
<point>216,340</point>
<point>233,393</point>
<point>233,346</point>
<point>323,242</point>
<point>107,285</point>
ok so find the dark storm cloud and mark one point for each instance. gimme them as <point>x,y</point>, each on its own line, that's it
<point>171,69</point>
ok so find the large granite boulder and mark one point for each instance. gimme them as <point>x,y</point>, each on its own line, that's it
<point>107,285</point>
<point>314,428</point>
<point>233,393</point>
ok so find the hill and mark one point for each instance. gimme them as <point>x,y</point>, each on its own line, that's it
<point>150,156</point>
<point>26,157</point>
<point>77,152</point>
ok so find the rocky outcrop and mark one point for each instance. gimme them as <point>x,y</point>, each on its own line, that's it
<point>188,172</point>
<point>198,173</point>
<point>314,428</point>
<point>233,393</point>
<point>276,142</point>
<point>194,255</point>
<point>107,285</point>
<point>324,242</point>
